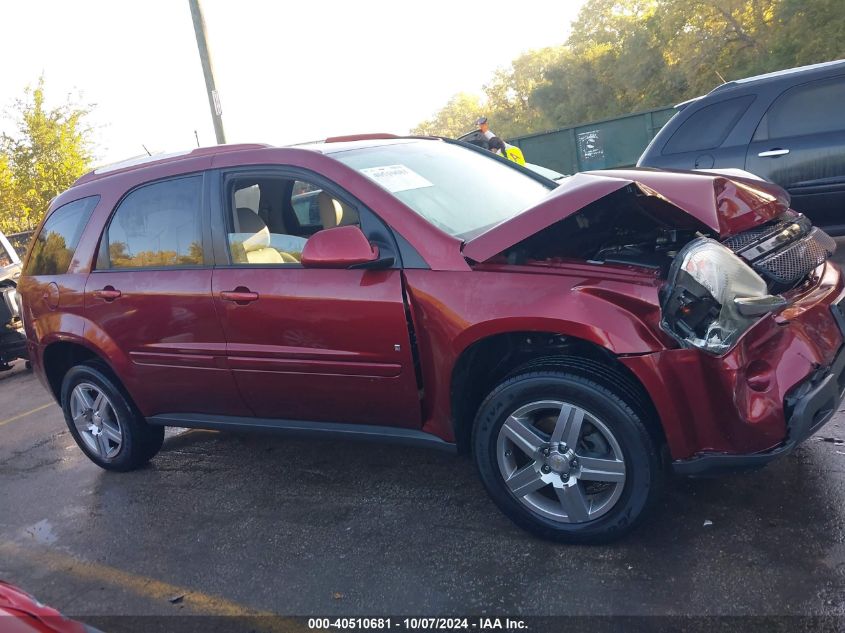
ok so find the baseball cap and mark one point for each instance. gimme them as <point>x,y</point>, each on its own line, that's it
<point>481,120</point>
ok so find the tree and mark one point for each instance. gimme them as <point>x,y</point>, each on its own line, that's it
<point>10,204</point>
<point>50,149</point>
<point>510,93</point>
<point>810,31</point>
<point>628,55</point>
<point>715,40</point>
<point>455,118</point>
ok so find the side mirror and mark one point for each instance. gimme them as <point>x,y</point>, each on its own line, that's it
<point>340,247</point>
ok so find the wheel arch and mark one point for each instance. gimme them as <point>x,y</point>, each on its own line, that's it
<point>485,362</point>
<point>62,353</point>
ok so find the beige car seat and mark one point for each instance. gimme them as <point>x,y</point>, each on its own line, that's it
<point>257,247</point>
<point>334,213</point>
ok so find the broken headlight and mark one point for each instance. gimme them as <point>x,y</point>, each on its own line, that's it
<point>712,297</point>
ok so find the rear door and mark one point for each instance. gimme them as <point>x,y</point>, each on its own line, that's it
<point>328,345</point>
<point>800,145</point>
<point>704,140</point>
<point>150,296</point>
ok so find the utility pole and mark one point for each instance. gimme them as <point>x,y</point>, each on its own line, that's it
<point>207,71</point>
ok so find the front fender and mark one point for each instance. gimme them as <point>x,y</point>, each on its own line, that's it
<point>454,310</point>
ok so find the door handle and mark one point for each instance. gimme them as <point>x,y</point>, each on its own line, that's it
<point>773,152</point>
<point>108,293</point>
<point>239,295</point>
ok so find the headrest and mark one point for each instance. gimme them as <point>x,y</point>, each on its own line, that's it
<point>334,213</point>
<point>248,221</point>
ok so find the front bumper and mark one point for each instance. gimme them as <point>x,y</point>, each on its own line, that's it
<point>776,387</point>
<point>809,406</point>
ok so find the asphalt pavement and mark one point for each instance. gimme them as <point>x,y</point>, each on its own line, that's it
<point>244,525</point>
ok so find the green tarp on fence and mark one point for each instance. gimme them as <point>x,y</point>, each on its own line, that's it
<point>597,145</point>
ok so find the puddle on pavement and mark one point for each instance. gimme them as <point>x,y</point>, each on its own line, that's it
<point>42,533</point>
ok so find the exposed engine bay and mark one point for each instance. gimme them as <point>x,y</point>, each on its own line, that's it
<point>646,231</point>
<point>716,288</point>
<point>620,228</point>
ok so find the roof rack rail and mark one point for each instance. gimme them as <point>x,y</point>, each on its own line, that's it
<point>375,136</point>
<point>142,160</point>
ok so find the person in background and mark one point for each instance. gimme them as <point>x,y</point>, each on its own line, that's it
<point>498,146</point>
<point>484,127</point>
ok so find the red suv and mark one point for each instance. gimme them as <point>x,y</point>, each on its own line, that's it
<point>575,338</point>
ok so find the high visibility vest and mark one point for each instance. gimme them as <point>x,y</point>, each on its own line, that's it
<point>514,154</point>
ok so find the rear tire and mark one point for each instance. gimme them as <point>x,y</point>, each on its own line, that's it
<point>104,422</point>
<point>565,455</point>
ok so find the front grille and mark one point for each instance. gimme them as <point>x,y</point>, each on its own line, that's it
<point>741,240</point>
<point>795,261</point>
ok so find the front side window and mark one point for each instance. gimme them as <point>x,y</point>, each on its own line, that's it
<point>814,108</point>
<point>157,225</point>
<point>708,127</point>
<point>270,218</point>
<point>458,190</point>
<point>55,245</point>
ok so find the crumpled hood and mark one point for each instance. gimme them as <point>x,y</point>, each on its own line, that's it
<point>721,203</point>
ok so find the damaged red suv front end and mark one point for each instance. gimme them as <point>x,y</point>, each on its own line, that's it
<point>781,382</point>
<point>755,361</point>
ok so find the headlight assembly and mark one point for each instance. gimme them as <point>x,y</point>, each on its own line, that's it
<point>713,297</point>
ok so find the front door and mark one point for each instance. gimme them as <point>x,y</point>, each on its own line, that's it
<point>328,345</point>
<point>800,145</point>
<point>150,296</point>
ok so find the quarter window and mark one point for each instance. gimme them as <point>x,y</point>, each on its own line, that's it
<point>813,108</point>
<point>305,199</point>
<point>709,127</point>
<point>56,243</point>
<point>158,225</point>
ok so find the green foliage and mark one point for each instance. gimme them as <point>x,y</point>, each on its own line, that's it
<point>49,150</point>
<point>625,56</point>
<point>509,92</point>
<point>53,257</point>
<point>120,257</point>
<point>452,120</point>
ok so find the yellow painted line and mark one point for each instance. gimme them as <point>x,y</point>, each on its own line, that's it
<point>151,588</point>
<point>26,413</point>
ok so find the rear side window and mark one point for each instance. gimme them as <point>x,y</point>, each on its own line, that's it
<point>708,128</point>
<point>56,243</point>
<point>157,225</point>
<point>813,108</point>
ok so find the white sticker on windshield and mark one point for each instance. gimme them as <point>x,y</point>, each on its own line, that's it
<point>396,178</point>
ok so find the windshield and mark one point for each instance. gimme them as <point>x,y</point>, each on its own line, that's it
<point>456,189</point>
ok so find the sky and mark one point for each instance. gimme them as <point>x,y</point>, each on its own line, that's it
<point>287,72</point>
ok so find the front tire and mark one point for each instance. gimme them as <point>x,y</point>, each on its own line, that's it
<point>105,424</point>
<point>565,455</point>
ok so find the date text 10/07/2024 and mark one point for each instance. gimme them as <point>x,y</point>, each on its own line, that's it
<point>419,624</point>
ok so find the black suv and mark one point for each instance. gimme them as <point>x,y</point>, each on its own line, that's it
<point>787,127</point>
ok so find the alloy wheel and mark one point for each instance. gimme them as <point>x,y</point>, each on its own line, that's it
<point>560,461</point>
<point>95,420</point>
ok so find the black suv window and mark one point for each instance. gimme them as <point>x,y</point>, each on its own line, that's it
<point>813,108</point>
<point>708,128</point>
<point>156,225</point>
<point>56,243</point>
